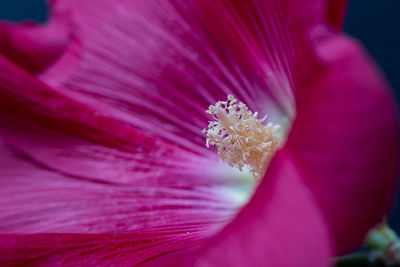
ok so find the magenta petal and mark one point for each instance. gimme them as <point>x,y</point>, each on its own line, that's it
<point>88,249</point>
<point>245,48</point>
<point>31,46</point>
<point>130,65</point>
<point>129,87</point>
<point>70,158</point>
<point>92,161</point>
<point>63,133</point>
<point>336,12</point>
<point>154,219</point>
<point>345,137</point>
<point>37,200</point>
<point>263,234</point>
<point>306,14</point>
<point>280,226</point>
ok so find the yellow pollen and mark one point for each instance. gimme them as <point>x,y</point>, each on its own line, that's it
<point>240,137</point>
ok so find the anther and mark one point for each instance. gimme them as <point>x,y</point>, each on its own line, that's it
<point>240,137</point>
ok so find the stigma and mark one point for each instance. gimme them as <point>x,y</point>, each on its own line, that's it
<point>242,140</point>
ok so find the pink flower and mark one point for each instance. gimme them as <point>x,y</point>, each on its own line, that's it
<point>102,157</point>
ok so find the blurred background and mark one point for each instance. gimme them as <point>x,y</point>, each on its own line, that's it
<point>375,23</point>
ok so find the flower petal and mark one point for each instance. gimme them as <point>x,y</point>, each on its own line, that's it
<point>263,234</point>
<point>88,249</point>
<point>65,134</point>
<point>92,57</point>
<point>37,200</point>
<point>346,136</point>
<point>281,226</point>
<point>34,47</point>
<point>130,65</point>
<point>67,171</point>
<point>336,12</point>
<point>57,180</point>
<point>256,66</point>
<point>161,219</point>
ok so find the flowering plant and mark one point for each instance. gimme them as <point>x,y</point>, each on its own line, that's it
<point>103,160</point>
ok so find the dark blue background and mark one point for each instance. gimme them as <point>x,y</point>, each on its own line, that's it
<point>375,23</point>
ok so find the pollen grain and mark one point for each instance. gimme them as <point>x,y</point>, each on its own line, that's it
<point>241,138</point>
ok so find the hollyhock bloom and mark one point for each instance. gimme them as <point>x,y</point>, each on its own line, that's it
<point>103,160</point>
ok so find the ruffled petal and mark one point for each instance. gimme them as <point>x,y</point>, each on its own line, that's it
<point>345,136</point>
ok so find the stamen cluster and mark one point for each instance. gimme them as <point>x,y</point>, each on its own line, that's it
<point>241,138</point>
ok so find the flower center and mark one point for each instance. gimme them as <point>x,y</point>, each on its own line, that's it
<point>240,137</point>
